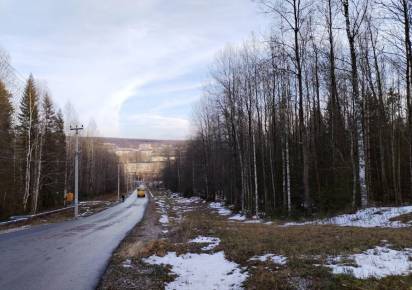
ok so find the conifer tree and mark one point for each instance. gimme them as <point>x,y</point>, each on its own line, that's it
<point>60,154</point>
<point>54,154</point>
<point>27,128</point>
<point>6,152</point>
<point>48,156</point>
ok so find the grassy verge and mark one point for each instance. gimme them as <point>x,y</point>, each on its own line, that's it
<point>304,246</point>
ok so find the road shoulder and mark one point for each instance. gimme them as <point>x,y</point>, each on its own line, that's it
<point>125,271</point>
<point>86,208</point>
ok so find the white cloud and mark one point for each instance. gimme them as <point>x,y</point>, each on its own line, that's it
<point>99,54</point>
<point>159,126</point>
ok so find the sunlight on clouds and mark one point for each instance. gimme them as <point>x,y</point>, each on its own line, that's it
<point>100,55</point>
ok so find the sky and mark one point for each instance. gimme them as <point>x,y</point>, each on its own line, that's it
<point>134,67</point>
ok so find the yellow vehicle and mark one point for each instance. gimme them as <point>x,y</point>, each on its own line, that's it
<point>141,192</point>
<point>68,198</point>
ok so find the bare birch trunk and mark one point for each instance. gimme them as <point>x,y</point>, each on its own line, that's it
<point>28,157</point>
<point>255,175</point>
<point>36,190</point>
<point>289,202</point>
<point>358,123</point>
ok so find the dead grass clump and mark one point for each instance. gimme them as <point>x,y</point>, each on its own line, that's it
<point>404,218</point>
<point>143,249</point>
<point>304,246</point>
<point>246,240</point>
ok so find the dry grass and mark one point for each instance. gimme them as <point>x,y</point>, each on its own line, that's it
<point>405,218</point>
<point>303,245</point>
<point>141,249</point>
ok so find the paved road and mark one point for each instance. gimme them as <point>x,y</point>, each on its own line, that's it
<point>71,255</point>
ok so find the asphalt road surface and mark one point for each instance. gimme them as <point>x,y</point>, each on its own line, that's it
<point>70,255</point>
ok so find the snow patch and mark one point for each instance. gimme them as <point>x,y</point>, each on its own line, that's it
<point>213,242</point>
<point>378,262</point>
<point>366,218</point>
<point>238,217</point>
<point>127,263</point>
<point>221,209</point>
<point>201,271</point>
<point>276,259</point>
<point>242,218</point>
<point>184,200</point>
<point>253,221</point>
<point>164,219</point>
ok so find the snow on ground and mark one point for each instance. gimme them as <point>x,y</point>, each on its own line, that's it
<point>255,221</point>
<point>367,218</point>
<point>213,242</point>
<point>127,263</point>
<point>87,212</point>
<point>224,211</point>
<point>164,219</point>
<point>238,217</point>
<point>242,218</point>
<point>161,205</point>
<point>201,271</point>
<point>177,204</point>
<point>378,262</point>
<point>221,209</point>
<point>276,259</point>
<point>184,200</point>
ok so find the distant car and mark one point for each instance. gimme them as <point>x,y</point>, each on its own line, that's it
<point>141,192</point>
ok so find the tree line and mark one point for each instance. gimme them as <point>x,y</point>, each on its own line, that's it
<point>37,152</point>
<point>315,117</point>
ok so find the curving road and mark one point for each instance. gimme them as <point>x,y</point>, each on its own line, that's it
<point>70,255</point>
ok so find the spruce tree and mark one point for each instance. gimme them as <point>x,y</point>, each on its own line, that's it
<point>60,155</point>
<point>28,121</point>
<point>7,191</point>
<point>53,157</point>
<point>49,170</point>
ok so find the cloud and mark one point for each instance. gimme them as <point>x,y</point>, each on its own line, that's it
<point>160,126</point>
<point>104,56</point>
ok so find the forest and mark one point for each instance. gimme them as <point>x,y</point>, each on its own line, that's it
<point>314,117</point>
<point>37,149</point>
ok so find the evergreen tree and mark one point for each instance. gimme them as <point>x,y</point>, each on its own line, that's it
<point>48,157</point>
<point>7,198</point>
<point>54,154</point>
<point>60,155</point>
<point>27,129</point>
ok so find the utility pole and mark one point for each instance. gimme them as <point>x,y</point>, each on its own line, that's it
<point>127,181</point>
<point>76,171</point>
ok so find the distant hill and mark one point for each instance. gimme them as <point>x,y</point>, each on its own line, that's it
<point>134,143</point>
